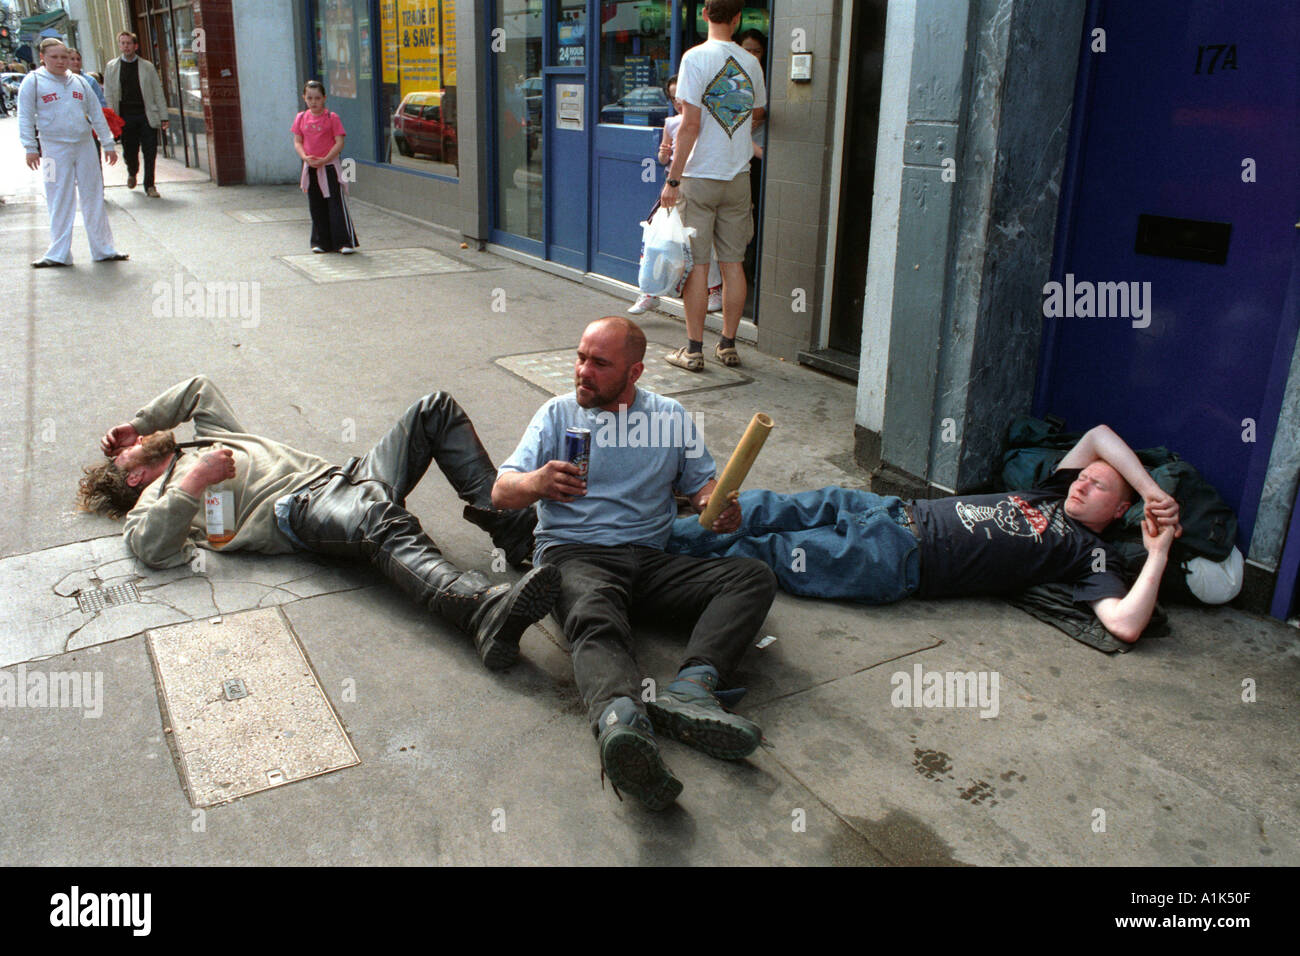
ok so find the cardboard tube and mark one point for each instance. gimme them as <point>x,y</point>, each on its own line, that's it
<point>751,443</point>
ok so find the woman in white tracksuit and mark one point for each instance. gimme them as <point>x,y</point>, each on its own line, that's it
<point>60,107</point>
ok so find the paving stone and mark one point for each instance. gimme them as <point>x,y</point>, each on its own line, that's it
<point>553,372</point>
<point>376,264</point>
<point>281,214</point>
<point>41,615</point>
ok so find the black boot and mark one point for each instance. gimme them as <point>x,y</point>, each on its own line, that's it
<point>497,616</point>
<point>511,531</point>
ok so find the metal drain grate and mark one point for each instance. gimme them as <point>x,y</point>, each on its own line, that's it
<point>96,599</point>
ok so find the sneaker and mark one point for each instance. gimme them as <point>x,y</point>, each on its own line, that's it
<point>49,264</point>
<point>691,361</point>
<point>130,182</point>
<point>643,304</point>
<point>152,193</point>
<point>346,250</point>
<point>629,756</point>
<point>317,249</point>
<point>687,710</point>
<point>715,299</point>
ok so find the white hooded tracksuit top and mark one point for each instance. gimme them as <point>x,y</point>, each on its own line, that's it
<point>60,108</point>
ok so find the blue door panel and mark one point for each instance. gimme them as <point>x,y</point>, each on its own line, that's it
<point>622,199</point>
<point>1158,138</point>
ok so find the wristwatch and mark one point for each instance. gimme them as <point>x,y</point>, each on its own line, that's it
<point>674,183</point>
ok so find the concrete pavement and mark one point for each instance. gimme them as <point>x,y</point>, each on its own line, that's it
<point>462,766</point>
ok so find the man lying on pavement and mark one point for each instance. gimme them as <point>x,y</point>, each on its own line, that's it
<point>283,499</point>
<point>841,543</point>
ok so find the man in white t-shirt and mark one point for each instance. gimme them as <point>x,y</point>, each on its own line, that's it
<point>722,93</point>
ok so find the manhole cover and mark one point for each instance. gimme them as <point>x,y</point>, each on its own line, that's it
<point>553,372</point>
<point>94,600</point>
<point>230,742</point>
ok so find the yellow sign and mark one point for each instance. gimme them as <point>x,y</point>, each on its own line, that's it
<point>388,40</point>
<point>426,37</point>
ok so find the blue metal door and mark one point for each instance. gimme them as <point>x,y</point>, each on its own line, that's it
<point>636,52</point>
<point>1181,175</point>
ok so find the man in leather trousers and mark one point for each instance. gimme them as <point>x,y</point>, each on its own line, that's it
<point>282,499</point>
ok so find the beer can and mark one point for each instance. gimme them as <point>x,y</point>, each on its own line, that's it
<point>577,449</point>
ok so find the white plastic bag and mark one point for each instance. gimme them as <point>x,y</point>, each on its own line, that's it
<point>665,253</point>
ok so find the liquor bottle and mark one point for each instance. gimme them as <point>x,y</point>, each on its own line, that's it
<point>219,512</point>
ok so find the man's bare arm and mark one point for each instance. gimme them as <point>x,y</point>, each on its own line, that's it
<point>1102,443</point>
<point>555,481</point>
<point>1127,617</point>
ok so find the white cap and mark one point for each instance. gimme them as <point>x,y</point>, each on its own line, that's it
<point>1216,582</point>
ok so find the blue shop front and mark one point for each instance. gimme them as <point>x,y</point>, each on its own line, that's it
<point>577,106</point>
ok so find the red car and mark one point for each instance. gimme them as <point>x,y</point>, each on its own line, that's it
<point>419,127</point>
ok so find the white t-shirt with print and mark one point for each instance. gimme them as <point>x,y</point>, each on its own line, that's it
<point>726,83</point>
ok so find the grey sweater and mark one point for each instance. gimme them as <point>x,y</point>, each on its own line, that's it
<point>163,529</point>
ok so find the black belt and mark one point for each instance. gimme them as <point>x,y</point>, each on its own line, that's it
<point>911,522</point>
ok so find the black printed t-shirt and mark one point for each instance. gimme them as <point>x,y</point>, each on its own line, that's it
<point>1004,543</point>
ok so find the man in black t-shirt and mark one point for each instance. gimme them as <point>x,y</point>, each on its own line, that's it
<point>135,93</point>
<point>840,543</point>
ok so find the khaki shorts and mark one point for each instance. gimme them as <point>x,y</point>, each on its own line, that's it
<point>721,214</point>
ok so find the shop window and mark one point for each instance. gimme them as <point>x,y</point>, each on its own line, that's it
<point>634,63</point>
<point>417,84</point>
<point>343,63</point>
<point>517,85</point>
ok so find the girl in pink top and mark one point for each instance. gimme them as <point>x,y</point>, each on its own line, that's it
<point>318,137</point>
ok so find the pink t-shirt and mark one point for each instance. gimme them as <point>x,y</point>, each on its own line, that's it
<point>317,132</point>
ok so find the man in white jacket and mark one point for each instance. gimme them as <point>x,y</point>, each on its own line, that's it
<point>56,110</point>
<point>135,93</point>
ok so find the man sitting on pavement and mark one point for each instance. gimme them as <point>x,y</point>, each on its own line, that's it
<point>841,543</point>
<point>284,499</point>
<point>606,535</point>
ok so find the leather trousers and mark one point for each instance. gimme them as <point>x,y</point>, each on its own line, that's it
<point>359,511</point>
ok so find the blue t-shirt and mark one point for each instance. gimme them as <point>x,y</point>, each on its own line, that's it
<point>638,457</point>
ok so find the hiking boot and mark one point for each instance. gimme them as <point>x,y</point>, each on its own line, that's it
<point>691,361</point>
<point>687,710</point>
<point>629,756</point>
<point>497,616</point>
<point>511,531</point>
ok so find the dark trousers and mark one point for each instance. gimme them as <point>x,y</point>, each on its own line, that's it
<point>726,599</point>
<point>138,136</point>
<point>359,511</point>
<point>331,225</point>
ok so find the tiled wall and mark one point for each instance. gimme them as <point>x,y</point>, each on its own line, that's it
<point>800,133</point>
<point>219,84</point>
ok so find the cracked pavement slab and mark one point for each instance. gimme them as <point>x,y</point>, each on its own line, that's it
<point>42,617</point>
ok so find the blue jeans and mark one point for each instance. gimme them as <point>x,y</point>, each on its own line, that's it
<point>828,543</point>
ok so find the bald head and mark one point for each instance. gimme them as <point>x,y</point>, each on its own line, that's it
<point>609,363</point>
<point>633,339</point>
